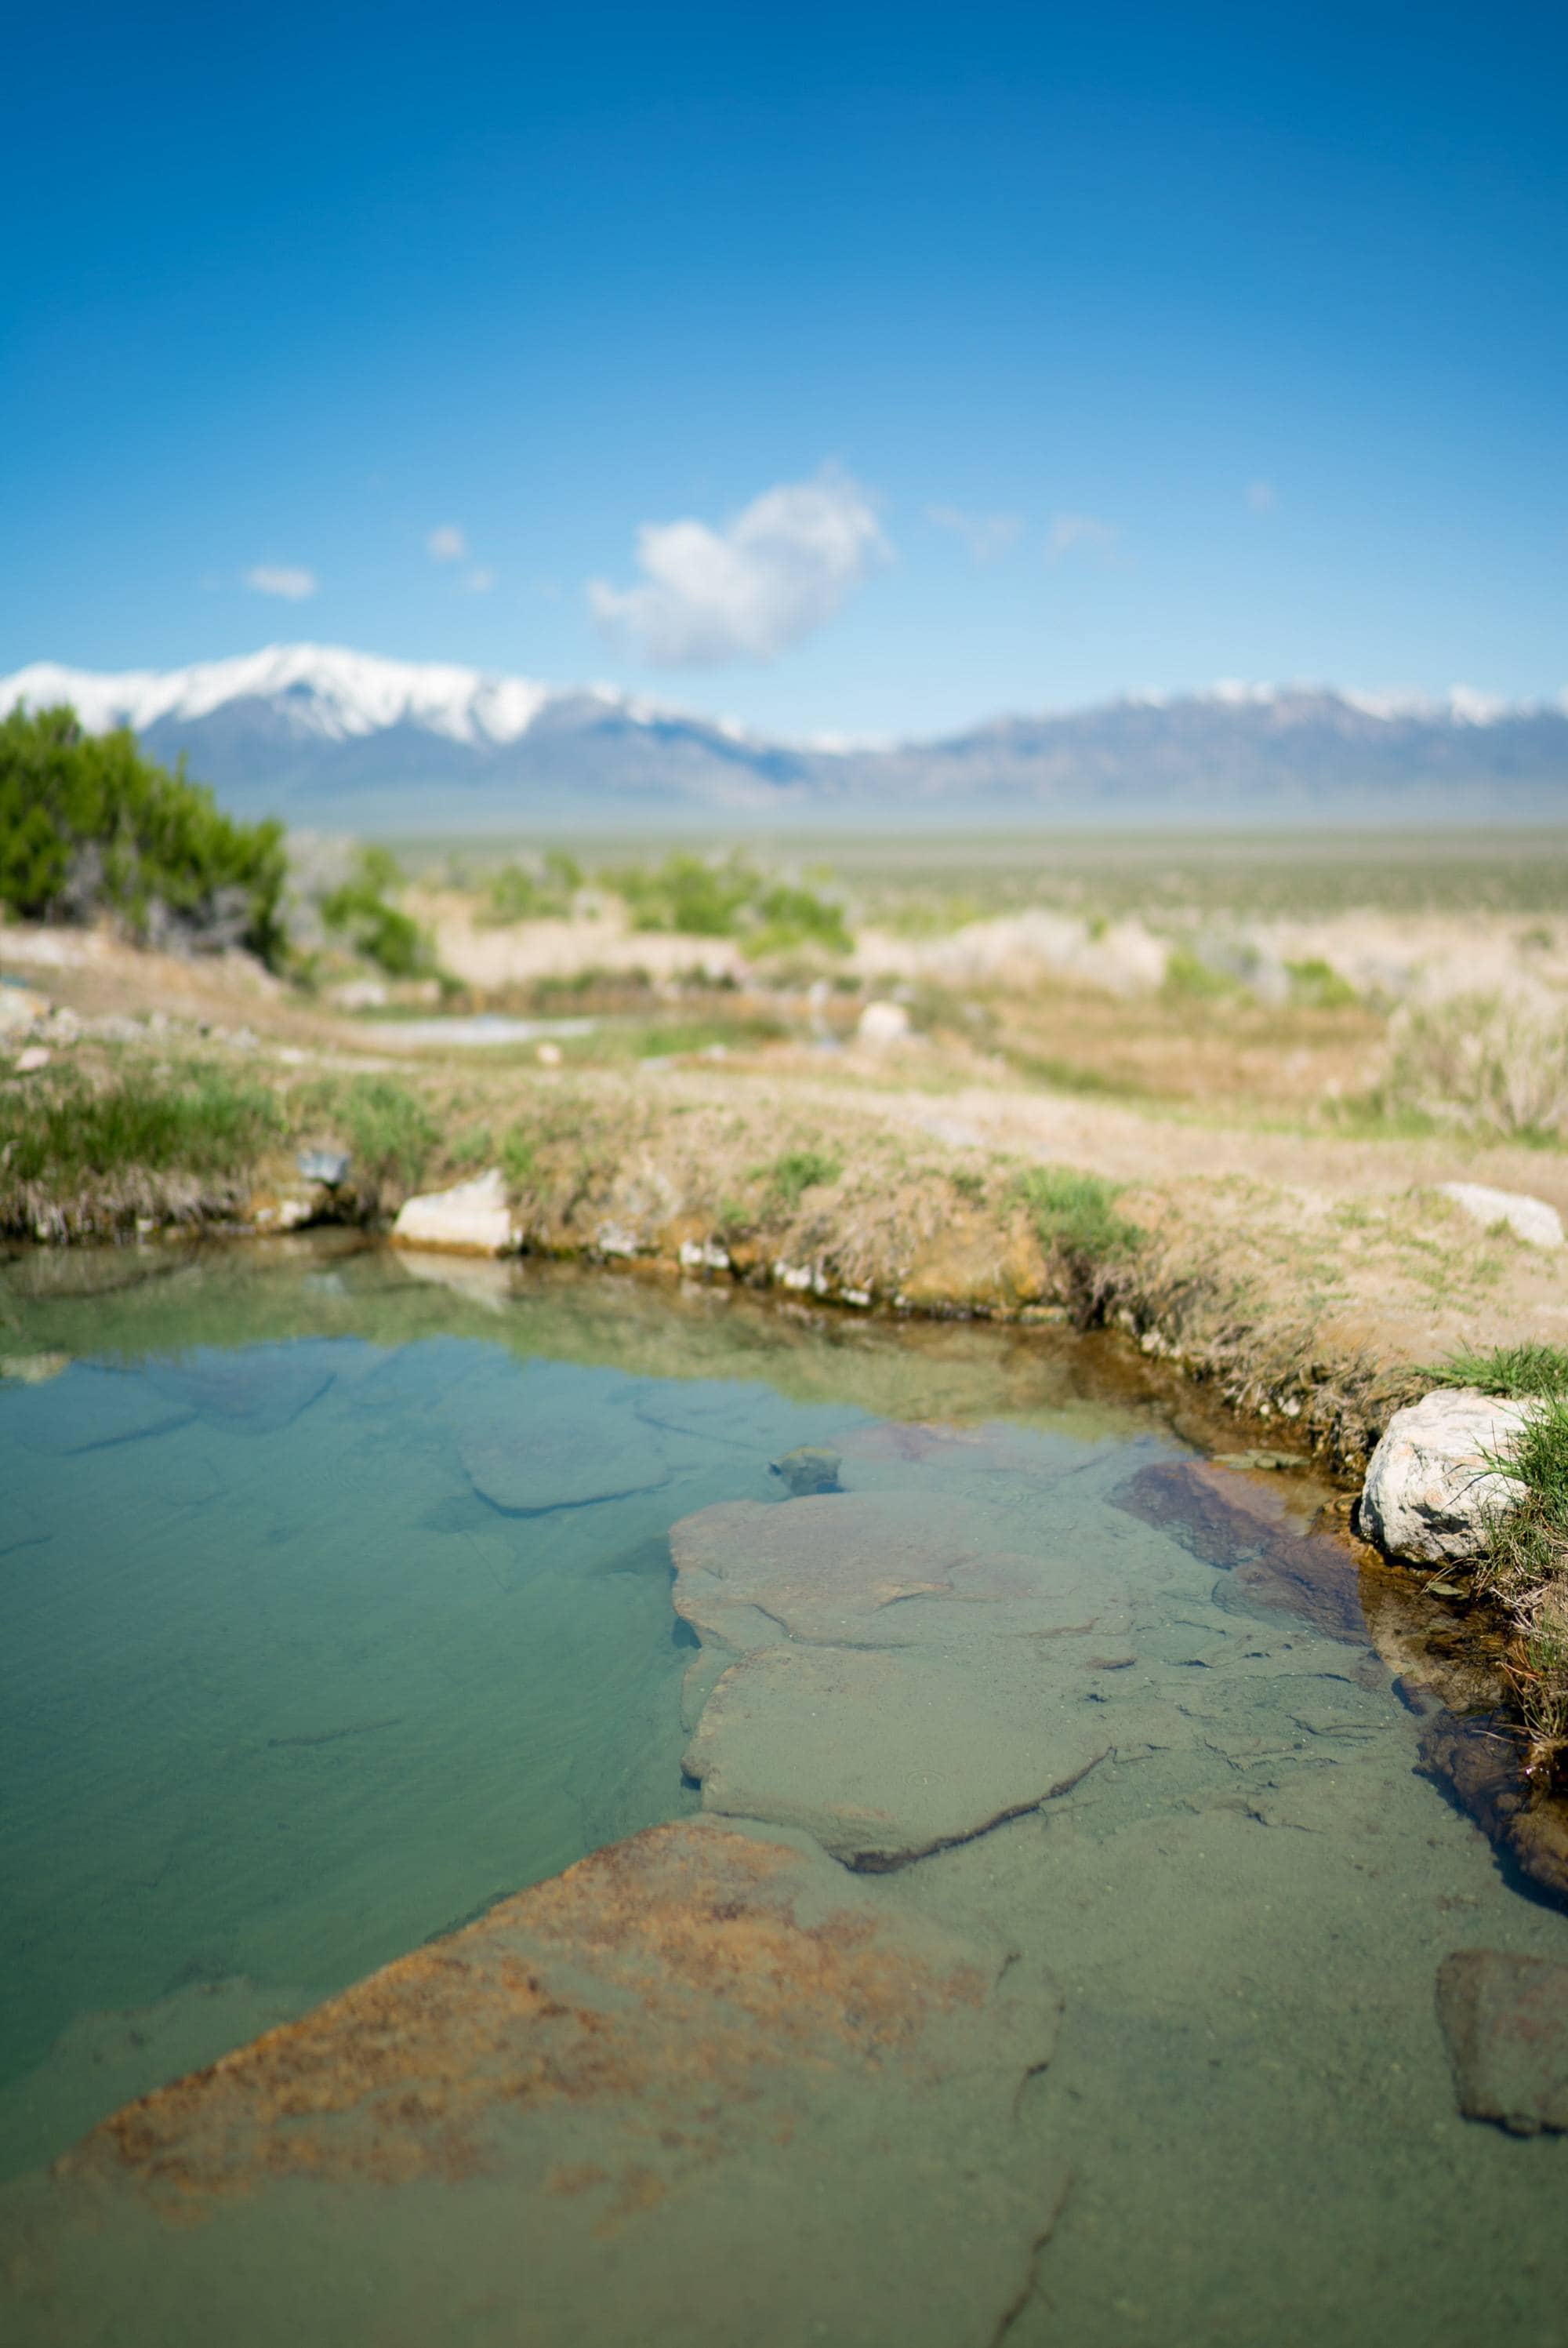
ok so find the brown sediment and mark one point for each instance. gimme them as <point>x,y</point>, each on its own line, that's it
<point>675,1964</point>
<point>1481,1762</point>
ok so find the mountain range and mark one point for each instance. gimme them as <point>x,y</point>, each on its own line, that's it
<point>325,737</point>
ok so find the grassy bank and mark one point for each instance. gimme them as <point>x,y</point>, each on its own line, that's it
<point>817,1196</point>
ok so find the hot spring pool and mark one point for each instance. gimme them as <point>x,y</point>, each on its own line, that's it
<point>335,1606</point>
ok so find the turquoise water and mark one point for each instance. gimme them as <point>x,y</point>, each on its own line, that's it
<point>335,1601</point>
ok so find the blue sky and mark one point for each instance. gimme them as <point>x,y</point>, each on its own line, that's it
<point>851,369</point>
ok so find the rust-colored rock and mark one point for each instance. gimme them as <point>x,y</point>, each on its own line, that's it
<point>1230,1519</point>
<point>698,2089</point>
<point>1505,2019</point>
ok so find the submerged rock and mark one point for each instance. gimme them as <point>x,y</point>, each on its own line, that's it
<point>888,1670</point>
<point>256,1390</point>
<point>472,1217</point>
<point>1505,2019</point>
<point>696,2038</point>
<point>1431,1491</point>
<point>886,1757</point>
<point>1225,1519</point>
<point>525,1456</point>
<point>809,1467</point>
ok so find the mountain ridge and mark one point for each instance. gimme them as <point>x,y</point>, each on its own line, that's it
<point>322,734</point>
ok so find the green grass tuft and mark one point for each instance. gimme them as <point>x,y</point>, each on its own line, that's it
<point>1510,1370</point>
<point>800,1170</point>
<point>69,1135</point>
<point>391,1134</point>
<point>1077,1212</point>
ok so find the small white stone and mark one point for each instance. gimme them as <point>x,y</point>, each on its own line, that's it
<point>548,1056</point>
<point>1432,1493</point>
<point>1528,1219</point>
<point>881,1023</point>
<point>473,1217</point>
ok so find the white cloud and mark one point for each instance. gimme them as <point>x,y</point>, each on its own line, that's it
<point>1262,497</point>
<point>1083,534</point>
<point>281,579</point>
<point>774,574</point>
<point>987,535</point>
<point>479,582</point>
<point>448,544</point>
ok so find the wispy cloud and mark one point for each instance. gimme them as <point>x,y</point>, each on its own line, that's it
<point>1262,497</point>
<point>772,575</point>
<point>1083,534</point>
<point>987,535</point>
<point>480,580</point>
<point>282,578</point>
<point>448,544</point>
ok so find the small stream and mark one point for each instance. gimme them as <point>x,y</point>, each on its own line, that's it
<point>336,1604</point>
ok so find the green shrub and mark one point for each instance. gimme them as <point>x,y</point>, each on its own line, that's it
<point>517,894</point>
<point>730,898</point>
<point>1077,1212</point>
<point>1481,1061</point>
<point>88,824</point>
<point>1318,986</point>
<point>1188,980</point>
<point>793,917</point>
<point>687,894</point>
<point>363,911</point>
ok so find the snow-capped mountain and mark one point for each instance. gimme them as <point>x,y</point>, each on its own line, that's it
<point>322,735</point>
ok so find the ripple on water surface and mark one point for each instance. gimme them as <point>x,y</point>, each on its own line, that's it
<point>337,1606</point>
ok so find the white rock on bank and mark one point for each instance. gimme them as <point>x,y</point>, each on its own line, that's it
<point>881,1023</point>
<point>472,1217</point>
<point>1431,1494</point>
<point>1528,1219</point>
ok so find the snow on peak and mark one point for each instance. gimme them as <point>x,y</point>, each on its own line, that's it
<point>323,690</point>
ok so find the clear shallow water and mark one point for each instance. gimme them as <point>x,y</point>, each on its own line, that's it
<point>282,1693</point>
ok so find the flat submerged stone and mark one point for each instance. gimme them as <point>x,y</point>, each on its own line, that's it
<point>884,1758</point>
<point>699,2089</point>
<point>525,1456</point>
<point>888,1671</point>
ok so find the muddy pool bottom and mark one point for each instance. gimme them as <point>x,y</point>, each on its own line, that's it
<point>672,1820</point>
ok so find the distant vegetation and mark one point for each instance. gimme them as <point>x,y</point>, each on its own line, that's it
<point>360,911</point>
<point>517,894</point>
<point>87,826</point>
<point>699,897</point>
<point>1481,1061</point>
